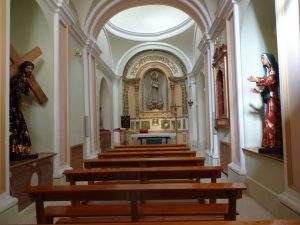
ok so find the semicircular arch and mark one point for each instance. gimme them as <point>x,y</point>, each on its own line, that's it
<point>152,46</point>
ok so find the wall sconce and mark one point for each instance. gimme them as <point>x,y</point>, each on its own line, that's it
<point>190,102</point>
<point>77,52</point>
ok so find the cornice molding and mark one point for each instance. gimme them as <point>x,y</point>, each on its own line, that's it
<point>64,11</point>
<point>222,14</point>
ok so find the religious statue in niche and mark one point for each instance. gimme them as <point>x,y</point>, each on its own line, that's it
<point>154,100</point>
<point>268,88</point>
<point>19,140</point>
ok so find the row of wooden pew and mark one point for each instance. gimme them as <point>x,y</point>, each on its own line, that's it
<point>140,183</point>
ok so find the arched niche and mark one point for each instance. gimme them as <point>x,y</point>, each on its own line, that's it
<point>30,28</point>
<point>174,76</point>
<point>258,35</point>
<point>154,90</point>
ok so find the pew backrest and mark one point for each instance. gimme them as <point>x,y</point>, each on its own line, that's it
<point>147,154</point>
<point>144,162</point>
<point>144,174</point>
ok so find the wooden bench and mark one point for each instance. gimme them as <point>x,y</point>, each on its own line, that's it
<point>244,222</point>
<point>147,154</point>
<point>143,175</point>
<point>133,193</point>
<point>150,145</point>
<point>148,149</point>
<point>253,222</point>
<point>144,162</point>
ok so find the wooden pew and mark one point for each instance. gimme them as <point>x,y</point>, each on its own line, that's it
<point>133,193</point>
<point>144,174</point>
<point>150,145</point>
<point>144,162</point>
<point>147,154</point>
<point>148,149</point>
<point>247,222</point>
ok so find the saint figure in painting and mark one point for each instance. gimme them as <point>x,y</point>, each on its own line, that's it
<point>19,140</point>
<point>268,88</point>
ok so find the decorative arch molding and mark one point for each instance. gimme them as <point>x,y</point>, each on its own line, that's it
<point>106,9</point>
<point>141,59</point>
<point>152,46</point>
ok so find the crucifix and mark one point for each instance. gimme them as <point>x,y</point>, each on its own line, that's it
<point>17,60</point>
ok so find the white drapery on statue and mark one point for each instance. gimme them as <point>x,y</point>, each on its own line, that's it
<point>154,93</point>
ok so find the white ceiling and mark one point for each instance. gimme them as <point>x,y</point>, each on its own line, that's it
<point>149,23</point>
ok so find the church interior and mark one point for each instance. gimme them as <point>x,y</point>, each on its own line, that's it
<point>150,112</point>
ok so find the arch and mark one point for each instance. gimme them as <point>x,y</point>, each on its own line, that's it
<point>105,106</point>
<point>105,9</point>
<point>152,46</point>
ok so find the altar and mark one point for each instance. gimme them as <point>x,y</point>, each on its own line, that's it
<point>154,138</point>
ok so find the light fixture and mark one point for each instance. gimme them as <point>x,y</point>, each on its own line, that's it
<point>77,52</point>
<point>190,102</point>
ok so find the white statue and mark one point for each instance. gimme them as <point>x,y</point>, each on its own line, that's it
<point>154,99</point>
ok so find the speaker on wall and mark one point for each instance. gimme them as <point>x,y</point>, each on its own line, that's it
<point>125,121</point>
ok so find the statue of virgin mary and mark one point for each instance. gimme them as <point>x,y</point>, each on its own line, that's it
<point>154,100</point>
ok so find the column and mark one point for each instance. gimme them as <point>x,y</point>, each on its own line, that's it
<point>238,163</point>
<point>116,101</point>
<point>214,148</point>
<point>287,12</point>
<point>92,105</point>
<point>137,102</point>
<point>193,134</point>
<point>87,131</point>
<point>6,201</point>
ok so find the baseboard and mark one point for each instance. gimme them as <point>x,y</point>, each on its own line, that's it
<point>269,200</point>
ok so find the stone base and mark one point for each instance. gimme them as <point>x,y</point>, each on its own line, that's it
<point>271,151</point>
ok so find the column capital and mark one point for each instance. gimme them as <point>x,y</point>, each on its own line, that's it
<point>235,1</point>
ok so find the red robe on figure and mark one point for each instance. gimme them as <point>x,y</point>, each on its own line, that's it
<point>272,122</point>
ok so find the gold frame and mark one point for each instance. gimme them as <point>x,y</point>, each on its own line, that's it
<point>220,64</point>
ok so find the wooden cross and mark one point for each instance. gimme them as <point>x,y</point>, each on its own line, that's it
<point>17,60</point>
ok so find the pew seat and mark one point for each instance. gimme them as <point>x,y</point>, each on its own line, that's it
<point>247,222</point>
<point>157,211</point>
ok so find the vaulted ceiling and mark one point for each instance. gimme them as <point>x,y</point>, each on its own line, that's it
<point>146,27</point>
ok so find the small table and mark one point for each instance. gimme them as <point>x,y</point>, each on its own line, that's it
<point>154,138</point>
<point>24,173</point>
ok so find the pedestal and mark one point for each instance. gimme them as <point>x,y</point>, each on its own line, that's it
<point>25,173</point>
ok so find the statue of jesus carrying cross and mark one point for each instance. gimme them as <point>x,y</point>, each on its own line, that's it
<point>21,82</point>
